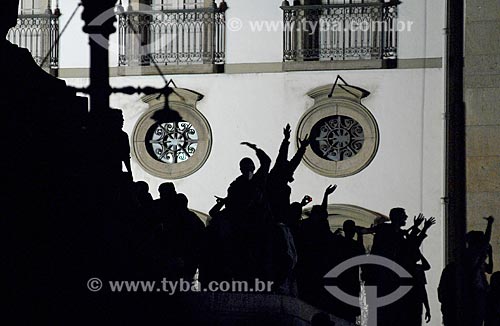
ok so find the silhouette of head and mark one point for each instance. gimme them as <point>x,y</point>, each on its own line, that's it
<point>475,238</point>
<point>182,201</point>
<point>167,190</point>
<point>317,212</point>
<point>116,118</point>
<point>247,167</point>
<point>398,216</point>
<point>142,187</point>
<point>8,15</point>
<point>349,228</point>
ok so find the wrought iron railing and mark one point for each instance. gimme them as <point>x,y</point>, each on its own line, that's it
<point>39,33</point>
<point>172,37</point>
<point>340,30</point>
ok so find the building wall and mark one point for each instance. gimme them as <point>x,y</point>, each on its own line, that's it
<point>482,95</point>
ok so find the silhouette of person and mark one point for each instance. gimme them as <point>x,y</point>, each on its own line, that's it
<point>314,260</point>
<point>447,294</point>
<point>144,197</point>
<point>219,252</point>
<point>190,233</point>
<point>248,190</point>
<point>250,218</point>
<point>165,206</point>
<point>493,301</point>
<point>421,298</point>
<point>282,173</point>
<point>477,251</point>
<point>401,246</point>
<point>346,247</point>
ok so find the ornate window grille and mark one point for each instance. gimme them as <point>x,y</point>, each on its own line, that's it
<point>178,4</point>
<point>172,142</point>
<point>327,30</point>
<point>172,33</point>
<point>38,31</point>
<point>337,137</point>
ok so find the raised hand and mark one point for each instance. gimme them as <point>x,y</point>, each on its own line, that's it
<point>429,222</point>
<point>306,200</point>
<point>252,146</point>
<point>305,142</point>
<point>287,131</point>
<point>417,220</point>
<point>490,219</point>
<point>330,189</point>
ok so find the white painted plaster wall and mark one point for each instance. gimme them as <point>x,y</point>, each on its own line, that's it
<point>407,171</point>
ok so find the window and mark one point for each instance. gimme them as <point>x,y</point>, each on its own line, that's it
<point>172,149</point>
<point>337,138</point>
<point>172,32</point>
<point>331,30</point>
<point>172,142</point>
<point>344,134</point>
<point>37,30</point>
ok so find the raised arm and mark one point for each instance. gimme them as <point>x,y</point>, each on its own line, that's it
<point>423,234</point>
<point>216,209</point>
<point>328,191</point>
<point>487,233</point>
<point>282,157</point>
<point>295,161</point>
<point>264,159</point>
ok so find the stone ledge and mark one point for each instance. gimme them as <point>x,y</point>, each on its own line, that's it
<point>338,65</point>
<point>171,70</point>
<point>261,67</point>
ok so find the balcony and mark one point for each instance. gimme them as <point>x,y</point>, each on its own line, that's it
<point>354,34</point>
<point>185,40</point>
<point>39,33</point>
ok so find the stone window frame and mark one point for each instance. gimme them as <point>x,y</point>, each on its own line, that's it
<point>184,102</point>
<point>345,100</point>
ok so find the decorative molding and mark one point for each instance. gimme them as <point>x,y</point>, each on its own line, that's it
<point>253,68</point>
<point>346,102</point>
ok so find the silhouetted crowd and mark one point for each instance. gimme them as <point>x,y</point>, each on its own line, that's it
<point>70,212</point>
